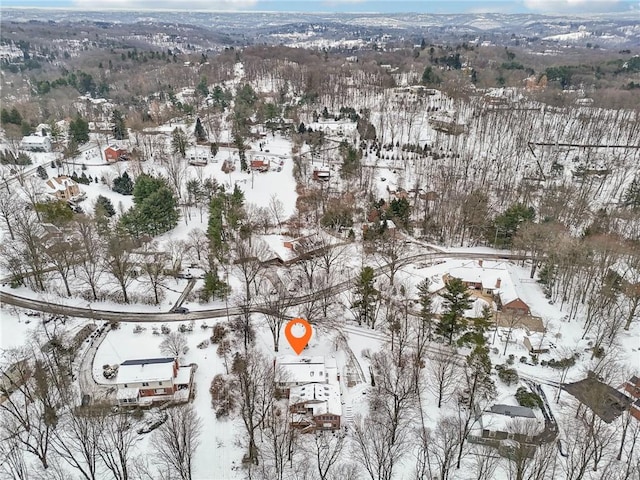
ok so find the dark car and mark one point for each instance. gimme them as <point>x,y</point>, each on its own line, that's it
<point>179,310</point>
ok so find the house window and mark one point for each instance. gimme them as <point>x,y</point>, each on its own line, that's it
<point>125,386</point>
<point>145,384</point>
<point>159,391</point>
<point>159,383</point>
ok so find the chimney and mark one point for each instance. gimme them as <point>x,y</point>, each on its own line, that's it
<point>480,263</point>
<point>498,282</point>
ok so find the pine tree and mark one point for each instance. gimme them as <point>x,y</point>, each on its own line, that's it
<point>179,141</point>
<point>201,135</point>
<point>457,301</point>
<point>123,184</point>
<point>42,173</point>
<point>105,206</point>
<point>119,129</point>
<point>366,297</point>
<point>426,312</point>
<point>79,130</point>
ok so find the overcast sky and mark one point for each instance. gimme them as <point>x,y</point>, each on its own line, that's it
<point>388,6</point>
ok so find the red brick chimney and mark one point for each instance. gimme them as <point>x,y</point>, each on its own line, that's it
<point>498,282</point>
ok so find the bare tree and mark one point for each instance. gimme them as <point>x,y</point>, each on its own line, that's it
<point>391,249</point>
<point>77,440</point>
<point>116,446</point>
<point>249,264</point>
<point>8,209</point>
<point>90,251</point>
<point>177,440</point>
<point>328,450</point>
<point>173,344</point>
<point>279,441</point>
<point>255,381</point>
<point>443,371</point>
<point>62,255</point>
<point>154,267</point>
<point>276,304</point>
<point>276,209</point>
<point>485,462</point>
<point>119,261</point>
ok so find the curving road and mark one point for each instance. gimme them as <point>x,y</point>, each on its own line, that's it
<point>119,316</point>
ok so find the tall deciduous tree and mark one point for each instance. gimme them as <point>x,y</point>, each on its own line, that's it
<point>177,440</point>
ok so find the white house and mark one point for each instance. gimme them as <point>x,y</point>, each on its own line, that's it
<point>293,371</point>
<point>149,380</point>
<point>35,143</point>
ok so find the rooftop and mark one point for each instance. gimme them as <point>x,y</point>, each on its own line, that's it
<point>322,398</point>
<point>145,370</point>
<point>295,369</point>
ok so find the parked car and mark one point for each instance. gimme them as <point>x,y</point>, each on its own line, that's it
<point>179,310</point>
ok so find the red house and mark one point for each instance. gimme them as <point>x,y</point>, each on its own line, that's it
<point>114,154</point>
<point>260,165</point>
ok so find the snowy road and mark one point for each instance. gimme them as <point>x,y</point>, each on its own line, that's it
<point>120,316</point>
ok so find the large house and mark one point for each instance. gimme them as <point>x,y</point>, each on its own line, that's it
<point>63,188</point>
<point>149,380</point>
<point>35,143</point>
<point>492,279</point>
<point>316,406</point>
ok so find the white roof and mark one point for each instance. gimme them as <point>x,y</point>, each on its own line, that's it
<point>183,376</point>
<point>35,140</point>
<point>488,275</point>
<point>60,183</point>
<point>275,246</point>
<point>127,393</point>
<point>322,398</point>
<point>154,370</point>
<point>295,369</point>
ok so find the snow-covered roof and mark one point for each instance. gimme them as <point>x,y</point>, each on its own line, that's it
<point>61,183</point>
<point>491,275</point>
<point>35,140</point>
<point>275,246</point>
<point>183,376</point>
<point>322,398</point>
<point>127,393</point>
<point>294,369</point>
<point>500,417</point>
<point>145,370</point>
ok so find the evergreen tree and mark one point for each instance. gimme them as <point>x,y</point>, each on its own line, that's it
<point>179,141</point>
<point>42,173</point>
<point>202,88</point>
<point>156,214</point>
<point>145,186</point>
<point>457,301</point>
<point>201,135</point>
<point>214,287</point>
<point>429,76</point>
<point>479,326</point>
<point>301,128</point>
<point>426,308</point>
<point>119,129</point>
<point>123,184</point>
<point>366,297</point>
<point>79,130</point>
<point>214,149</point>
<point>399,208</point>
<point>507,224</point>
<point>57,212</point>
<point>105,205</point>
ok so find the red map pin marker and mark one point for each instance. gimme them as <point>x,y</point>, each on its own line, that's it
<point>298,343</point>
